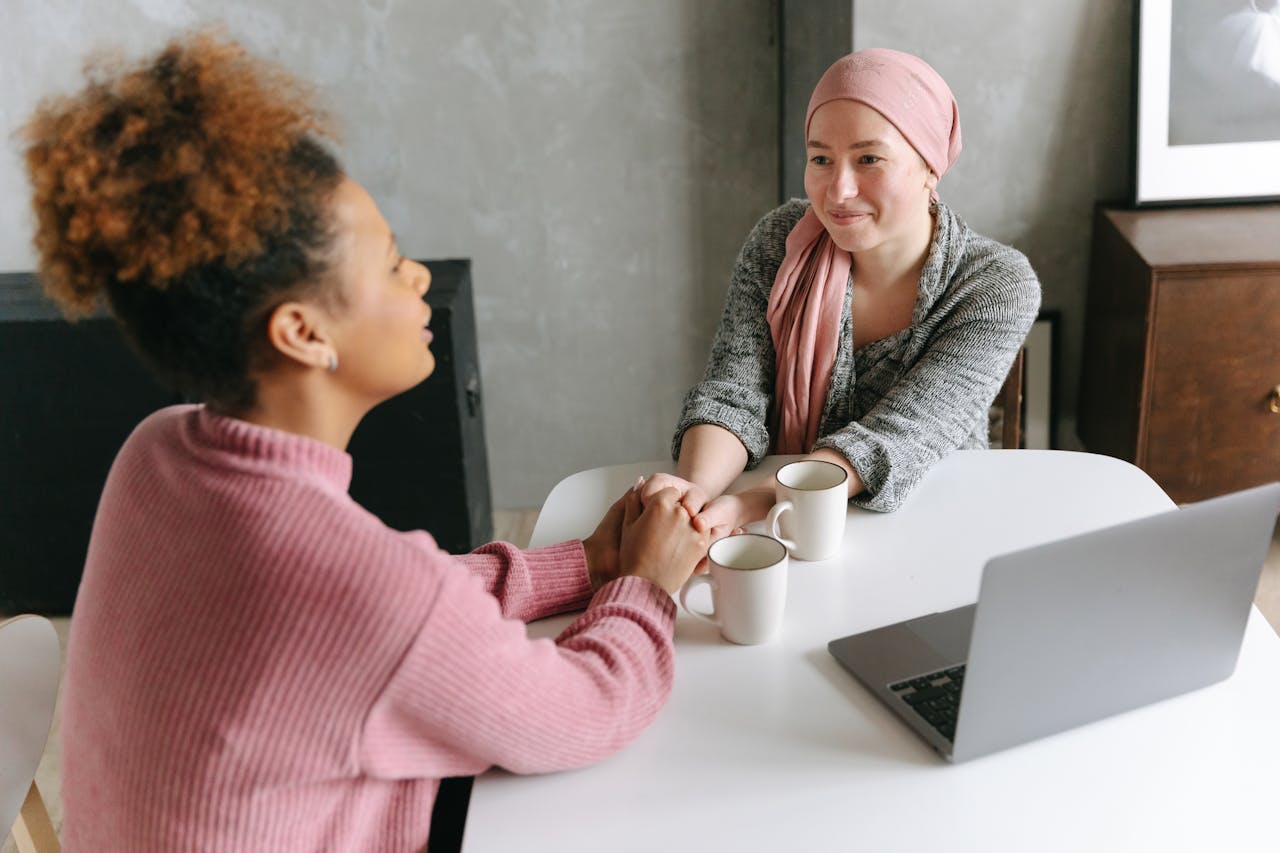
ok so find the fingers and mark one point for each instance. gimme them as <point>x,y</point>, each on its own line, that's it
<point>652,485</point>
<point>690,495</point>
<point>613,517</point>
<point>720,531</point>
<point>668,496</point>
<point>632,507</point>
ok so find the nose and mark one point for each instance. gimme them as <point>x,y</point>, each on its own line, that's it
<point>422,278</point>
<point>844,184</point>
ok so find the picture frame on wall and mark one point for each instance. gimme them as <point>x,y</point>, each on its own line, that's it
<point>1206,101</point>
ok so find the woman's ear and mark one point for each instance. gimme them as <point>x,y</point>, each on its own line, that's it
<point>931,181</point>
<point>298,331</point>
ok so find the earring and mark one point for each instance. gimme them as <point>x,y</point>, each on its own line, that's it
<point>333,362</point>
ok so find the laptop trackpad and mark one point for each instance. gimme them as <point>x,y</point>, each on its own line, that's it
<point>947,633</point>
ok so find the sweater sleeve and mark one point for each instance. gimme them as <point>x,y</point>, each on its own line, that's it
<point>737,386</point>
<point>473,691</point>
<point>535,583</point>
<point>933,407</point>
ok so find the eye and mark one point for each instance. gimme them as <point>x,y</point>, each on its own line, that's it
<point>869,160</point>
<point>820,160</point>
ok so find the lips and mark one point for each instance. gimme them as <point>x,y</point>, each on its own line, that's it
<point>845,217</point>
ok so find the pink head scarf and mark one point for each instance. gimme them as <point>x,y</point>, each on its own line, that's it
<point>808,291</point>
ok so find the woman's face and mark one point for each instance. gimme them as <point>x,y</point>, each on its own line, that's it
<point>867,185</point>
<point>380,326</point>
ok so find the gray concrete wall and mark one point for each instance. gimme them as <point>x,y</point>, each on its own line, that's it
<point>600,162</point>
<point>1043,90</point>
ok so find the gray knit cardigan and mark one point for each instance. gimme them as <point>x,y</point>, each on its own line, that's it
<point>899,404</point>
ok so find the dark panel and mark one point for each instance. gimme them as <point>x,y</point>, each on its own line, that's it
<point>71,393</point>
<point>69,396</point>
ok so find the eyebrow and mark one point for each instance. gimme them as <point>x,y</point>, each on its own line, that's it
<point>866,143</point>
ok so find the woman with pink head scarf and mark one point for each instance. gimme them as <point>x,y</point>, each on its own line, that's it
<point>866,325</point>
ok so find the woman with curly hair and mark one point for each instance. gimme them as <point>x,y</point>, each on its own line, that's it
<point>256,662</point>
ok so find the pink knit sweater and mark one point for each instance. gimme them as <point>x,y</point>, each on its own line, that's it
<point>257,663</point>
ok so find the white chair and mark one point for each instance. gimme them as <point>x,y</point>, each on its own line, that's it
<point>29,672</point>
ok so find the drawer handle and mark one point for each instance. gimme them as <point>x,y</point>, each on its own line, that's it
<point>1273,400</point>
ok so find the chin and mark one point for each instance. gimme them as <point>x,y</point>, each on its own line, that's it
<point>853,244</point>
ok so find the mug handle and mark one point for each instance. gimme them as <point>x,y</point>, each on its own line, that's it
<point>772,520</point>
<point>688,586</point>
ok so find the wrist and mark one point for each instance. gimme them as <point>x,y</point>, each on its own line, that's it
<point>753,504</point>
<point>835,457</point>
<point>591,559</point>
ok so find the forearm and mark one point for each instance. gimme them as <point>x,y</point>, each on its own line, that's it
<point>535,583</point>
<point>472,690</point>
<point>711,457</point>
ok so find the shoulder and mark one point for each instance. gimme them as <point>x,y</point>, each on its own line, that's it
<point>769,235</point>
<point>157,436</point>
<point>979,267</point>
<point>162,423</point>
<point>781,219</point>
<point>766,246</point>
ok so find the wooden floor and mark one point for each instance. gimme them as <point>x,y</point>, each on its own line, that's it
<point>516,527</point>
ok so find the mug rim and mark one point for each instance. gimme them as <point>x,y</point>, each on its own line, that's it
<point>781,556</point>
<point>844,475</point>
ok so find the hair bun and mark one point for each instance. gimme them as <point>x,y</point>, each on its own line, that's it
<point>190,157</point>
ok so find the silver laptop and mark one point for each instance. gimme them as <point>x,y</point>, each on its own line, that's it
<point>1076,630</point>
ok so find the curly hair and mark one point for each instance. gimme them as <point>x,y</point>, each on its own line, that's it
<point>192,192</point>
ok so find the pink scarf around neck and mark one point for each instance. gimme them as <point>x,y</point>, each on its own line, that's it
<point>804,322</point>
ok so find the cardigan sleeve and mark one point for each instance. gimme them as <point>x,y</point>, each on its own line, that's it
<point>737,386</point>
<point>932,408</point>
<point>473,691</point>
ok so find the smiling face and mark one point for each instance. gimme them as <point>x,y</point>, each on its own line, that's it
<point>380,330</point>
<point>867,185</point>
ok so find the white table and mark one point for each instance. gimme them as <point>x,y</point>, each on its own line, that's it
<point>776,748</point>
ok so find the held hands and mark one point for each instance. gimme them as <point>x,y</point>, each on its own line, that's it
<point>691,495</point>
<point>723,515</point>
<point>656,540</point>
<point>660,542</point>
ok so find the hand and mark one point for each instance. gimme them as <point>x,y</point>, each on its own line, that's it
<point>728,513</point>
<point>601,547</point>
<point>660,542</point>
<point>691,495</point>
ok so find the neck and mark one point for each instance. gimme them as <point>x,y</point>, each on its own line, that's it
<point>897,260</point>
<point>305,403</point>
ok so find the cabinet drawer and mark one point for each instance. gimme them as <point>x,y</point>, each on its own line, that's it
<point>1214,356</point>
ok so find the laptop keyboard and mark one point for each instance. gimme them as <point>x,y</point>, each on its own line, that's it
<point>935,697</point>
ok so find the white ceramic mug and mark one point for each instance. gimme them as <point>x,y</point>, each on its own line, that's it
<point>748,580</point>
<point>813,503</point>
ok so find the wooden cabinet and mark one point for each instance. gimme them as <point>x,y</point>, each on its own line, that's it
<point>1181,365</point>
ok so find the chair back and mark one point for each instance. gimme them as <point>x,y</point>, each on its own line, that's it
<point>30,661</point>
<point>1010,402</point>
